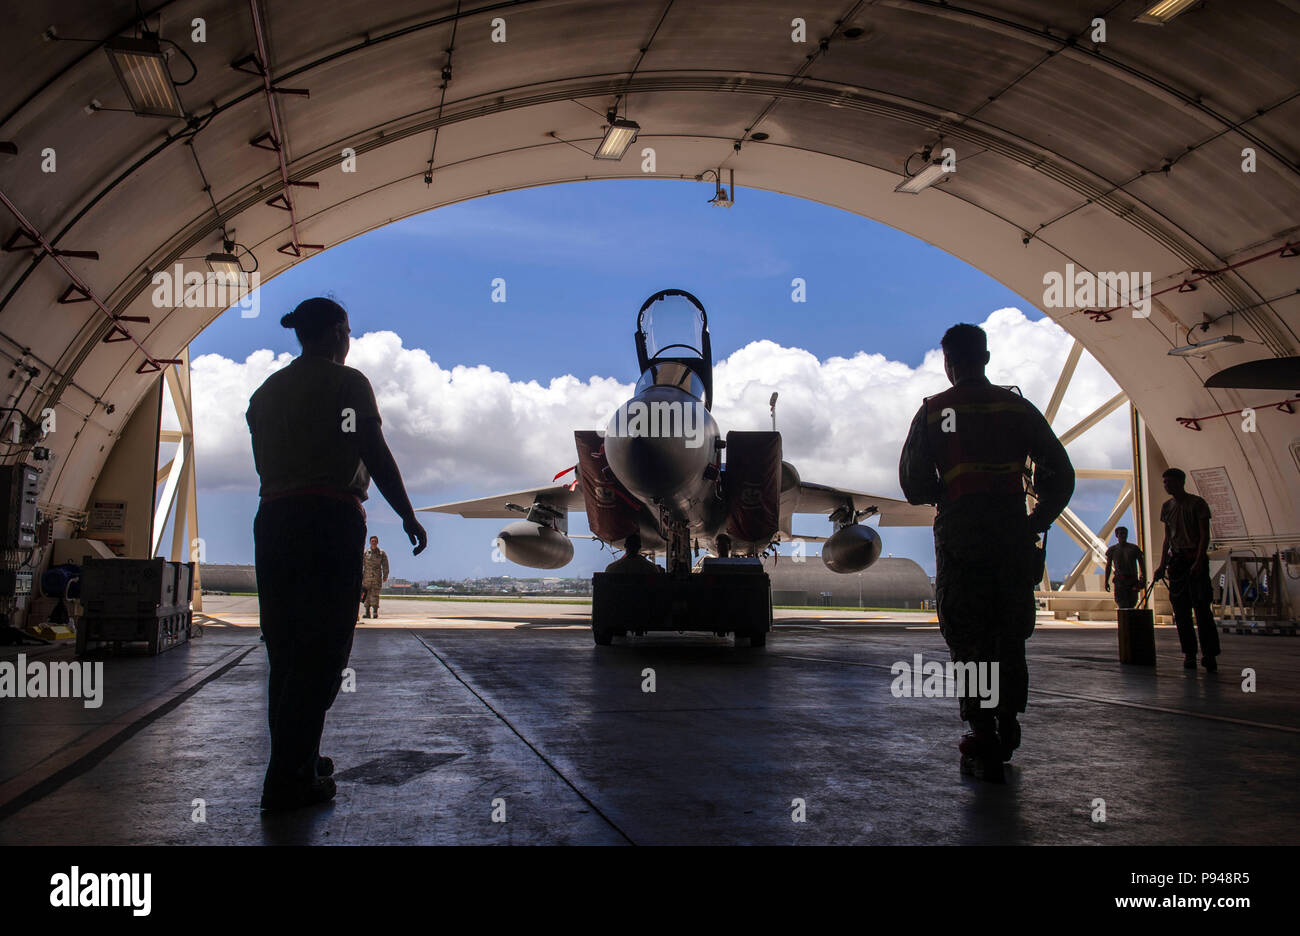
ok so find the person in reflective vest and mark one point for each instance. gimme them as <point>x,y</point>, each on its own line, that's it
<point>967,452</point>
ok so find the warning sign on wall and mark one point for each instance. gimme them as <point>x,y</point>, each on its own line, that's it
<point>107,517</point>
<point>1225,512</point>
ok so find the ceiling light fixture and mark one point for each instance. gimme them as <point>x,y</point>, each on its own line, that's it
<point>619,135</point>
<point>141,69</point>
<point>932,173</point>
<point>1210,344</point>
<point>1160,13</point>
<point>224,265</point>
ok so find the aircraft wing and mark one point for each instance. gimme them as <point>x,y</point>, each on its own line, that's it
<point>784,537</point>
<point>557,495</point>
<point>819,498</point>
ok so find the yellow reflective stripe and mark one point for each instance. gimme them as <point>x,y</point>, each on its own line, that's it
<point>1007,468</point>
<point>936,414</point>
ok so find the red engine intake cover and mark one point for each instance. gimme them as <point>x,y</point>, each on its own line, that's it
<point>753,485</point>
<point>611,510</point>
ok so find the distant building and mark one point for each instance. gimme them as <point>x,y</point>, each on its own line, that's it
<point>888,583</point>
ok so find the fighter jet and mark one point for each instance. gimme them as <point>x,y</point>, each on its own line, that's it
<point>658,469</point>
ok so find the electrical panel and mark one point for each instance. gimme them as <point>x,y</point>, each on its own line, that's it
<point>15,584</point>
<point>19,487</point>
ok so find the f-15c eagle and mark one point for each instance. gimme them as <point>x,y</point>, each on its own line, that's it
<point>658,469</point>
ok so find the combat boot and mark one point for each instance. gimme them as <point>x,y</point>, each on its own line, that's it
<point>296,795</point>
<point>981,756</point>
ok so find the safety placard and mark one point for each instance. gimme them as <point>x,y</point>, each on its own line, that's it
<point>107,517</point>
<point>1225,513</point>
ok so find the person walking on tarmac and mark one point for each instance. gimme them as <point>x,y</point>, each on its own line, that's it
<point>966,452</point>
<point>374,573</point>
<point>1130,569</point>
<point>1184,559</point>
<point>316,443</point>
<point>632,560</point>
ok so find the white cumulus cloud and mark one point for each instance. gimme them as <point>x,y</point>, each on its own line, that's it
<point>843,420</point>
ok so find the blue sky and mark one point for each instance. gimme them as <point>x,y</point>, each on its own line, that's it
<point>577,261</point>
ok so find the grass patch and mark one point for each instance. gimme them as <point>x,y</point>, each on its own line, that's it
<point>523,599</point>
<point>847,608</point>
<point>506,599</point>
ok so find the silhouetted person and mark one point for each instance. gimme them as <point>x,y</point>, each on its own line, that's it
<point>316,443</point>
<point>374,572</point>
<point>723,543</point>
<point>632,560</point>
<point>966,453</point>
<point>1184,559</point>
<point>1130,569</point>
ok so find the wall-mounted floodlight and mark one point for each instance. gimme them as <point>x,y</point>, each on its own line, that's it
<point>224,265</point>
<point>1160,13</point>
<point>141,69</point>
<point>1210,344</point>
<point>927,177</point>
<point>619,135</point>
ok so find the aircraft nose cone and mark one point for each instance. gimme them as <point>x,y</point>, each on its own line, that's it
<point>658,442</point>
<point>650,468</point>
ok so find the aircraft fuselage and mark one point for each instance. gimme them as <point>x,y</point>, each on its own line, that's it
<point>663,445</point>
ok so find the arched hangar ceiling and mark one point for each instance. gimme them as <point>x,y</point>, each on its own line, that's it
<point>1119,155</point>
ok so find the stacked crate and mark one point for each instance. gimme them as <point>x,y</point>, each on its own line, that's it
<point>135,600</point>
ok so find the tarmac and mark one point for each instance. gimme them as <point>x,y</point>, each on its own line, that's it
<point>476,722</point>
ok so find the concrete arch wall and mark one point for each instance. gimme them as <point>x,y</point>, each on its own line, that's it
<point>1059,146</point>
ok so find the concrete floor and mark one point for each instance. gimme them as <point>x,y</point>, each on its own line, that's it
<point>463,708</point>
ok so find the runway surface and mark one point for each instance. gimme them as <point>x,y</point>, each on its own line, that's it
<point>468,713</point>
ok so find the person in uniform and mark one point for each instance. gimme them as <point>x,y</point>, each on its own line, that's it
<point>1184,559</point>
<point>374,573</point>
<point>317,442</point>
<point>632,560</point>
<point>966,453</point>
<point>1130,569</point>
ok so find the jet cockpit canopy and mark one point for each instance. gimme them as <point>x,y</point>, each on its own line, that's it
<point>672,344</point>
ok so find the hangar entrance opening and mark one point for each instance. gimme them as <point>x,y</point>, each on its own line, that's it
<point>863,295</point>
